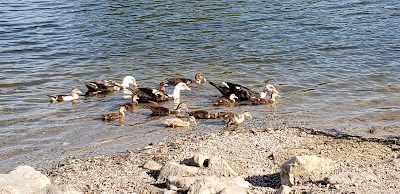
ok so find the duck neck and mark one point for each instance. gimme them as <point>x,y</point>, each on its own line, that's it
<point>273,96</point>
<point>121,112</point>
<point>176,94</point>
<point>126,82</point>
<point>240,118</point>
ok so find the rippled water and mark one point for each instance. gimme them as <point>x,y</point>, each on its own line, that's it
<point>335,63</point>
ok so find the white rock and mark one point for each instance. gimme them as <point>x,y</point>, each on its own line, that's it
<point>28,172</point>
<point>241,182</point>
<point>152,165</point>
<point>284,189</point>
<point>207,185</point>
<point>175,169</point>
<point>233,189</point>
<point>199,159</point>
<point>302,169</point>
<point>15,184</point>
<point>219,167</point>
<point>182,183</point>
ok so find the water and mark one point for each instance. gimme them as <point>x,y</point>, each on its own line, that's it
<point>336,64</point>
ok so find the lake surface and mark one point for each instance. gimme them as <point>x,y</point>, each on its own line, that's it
<point>335,63</point>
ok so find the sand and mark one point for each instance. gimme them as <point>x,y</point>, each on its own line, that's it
<point>256,154</point>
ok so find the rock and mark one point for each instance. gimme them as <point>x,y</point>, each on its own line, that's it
<point>207,185</point>
<point>241,182</point>
<point>28,172</point>
<point>182,183</point>
<point>170,192</point>
<point>233,189</point>
<point>15,184</point>
<point>199,160</point>
<point>284,189</point>
<point>214,184</point>
<point>175,169</point>
<point>350,178</point>
<point>219,167</point>
<point>152,165</point>
<point>301,169</point>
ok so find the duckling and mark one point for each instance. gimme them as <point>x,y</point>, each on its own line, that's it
<point>198,78</point>
<point>65,97</point>
<point>177,122</point>
<point>272,100</point>
<point>202,114</point>
<point>108,86</point>
<point>233,118</point>
<point>163,111</point>
<point>115,116</point>
<point>225,101</point>
<point>131,105</point>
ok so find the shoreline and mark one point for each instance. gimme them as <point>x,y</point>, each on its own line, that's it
<point>255,154</point>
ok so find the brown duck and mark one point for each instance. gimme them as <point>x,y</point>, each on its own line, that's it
<point>225,101</point>
<point>202,114</point>
<point>163,111</point>
<point>131,105</point>
<point>115,116</point>
<point>233,118</point>
<point>198,78</point>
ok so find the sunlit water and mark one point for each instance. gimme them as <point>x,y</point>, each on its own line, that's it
<point>335,63</point>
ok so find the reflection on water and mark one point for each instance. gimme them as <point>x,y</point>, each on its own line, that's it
<point>335,64</point>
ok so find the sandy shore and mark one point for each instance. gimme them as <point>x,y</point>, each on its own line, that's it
<point>256,154</point>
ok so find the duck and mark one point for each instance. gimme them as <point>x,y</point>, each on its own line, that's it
<point>115,116</point>
<point>233,118</point>
<point>155,95</point>
<point>178,122</point>
<point>163,111</point>
<point>108,86</point>
<point>261,100</point>
<point>225,101</point>
<point>199,78</point>
<point>131,105</point>
<point>202,114</point>
<point>65,97</point>
<point>243,93</point>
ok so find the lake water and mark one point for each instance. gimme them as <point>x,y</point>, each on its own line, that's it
<point>336,64</point>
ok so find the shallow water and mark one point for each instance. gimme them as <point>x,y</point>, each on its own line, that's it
<point>335,63</point>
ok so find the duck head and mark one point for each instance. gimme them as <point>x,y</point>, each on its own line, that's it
<point>75,91</point>
<point>233,97</point>
<point>199,78</point>
<point>182,106</point>
<point>129,80</point>
<point>247,114</point>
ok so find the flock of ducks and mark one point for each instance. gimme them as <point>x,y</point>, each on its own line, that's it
<point>231,93</point>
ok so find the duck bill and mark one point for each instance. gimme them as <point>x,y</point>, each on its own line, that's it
<point>187,88</point>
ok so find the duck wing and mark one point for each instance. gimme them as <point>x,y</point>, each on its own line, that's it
<point>201,114</point>
<point>102,86</point>
<point>159,111</point>
<point>227,88</point>
<point>148,94</point>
